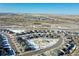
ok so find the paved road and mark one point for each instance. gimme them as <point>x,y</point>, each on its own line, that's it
<point>43,50</point>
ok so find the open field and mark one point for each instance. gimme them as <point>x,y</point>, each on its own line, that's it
<point>51,33</point>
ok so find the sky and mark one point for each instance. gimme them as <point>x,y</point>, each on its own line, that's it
<point>44,8</point>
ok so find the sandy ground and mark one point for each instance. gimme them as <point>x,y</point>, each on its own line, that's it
<point>41,43</point>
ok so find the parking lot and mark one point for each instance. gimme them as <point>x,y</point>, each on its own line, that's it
<point>5,48</point>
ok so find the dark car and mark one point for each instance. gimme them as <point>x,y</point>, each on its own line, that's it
<point>10,52</point>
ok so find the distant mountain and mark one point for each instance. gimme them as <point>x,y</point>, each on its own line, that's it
<point>4,14</point>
